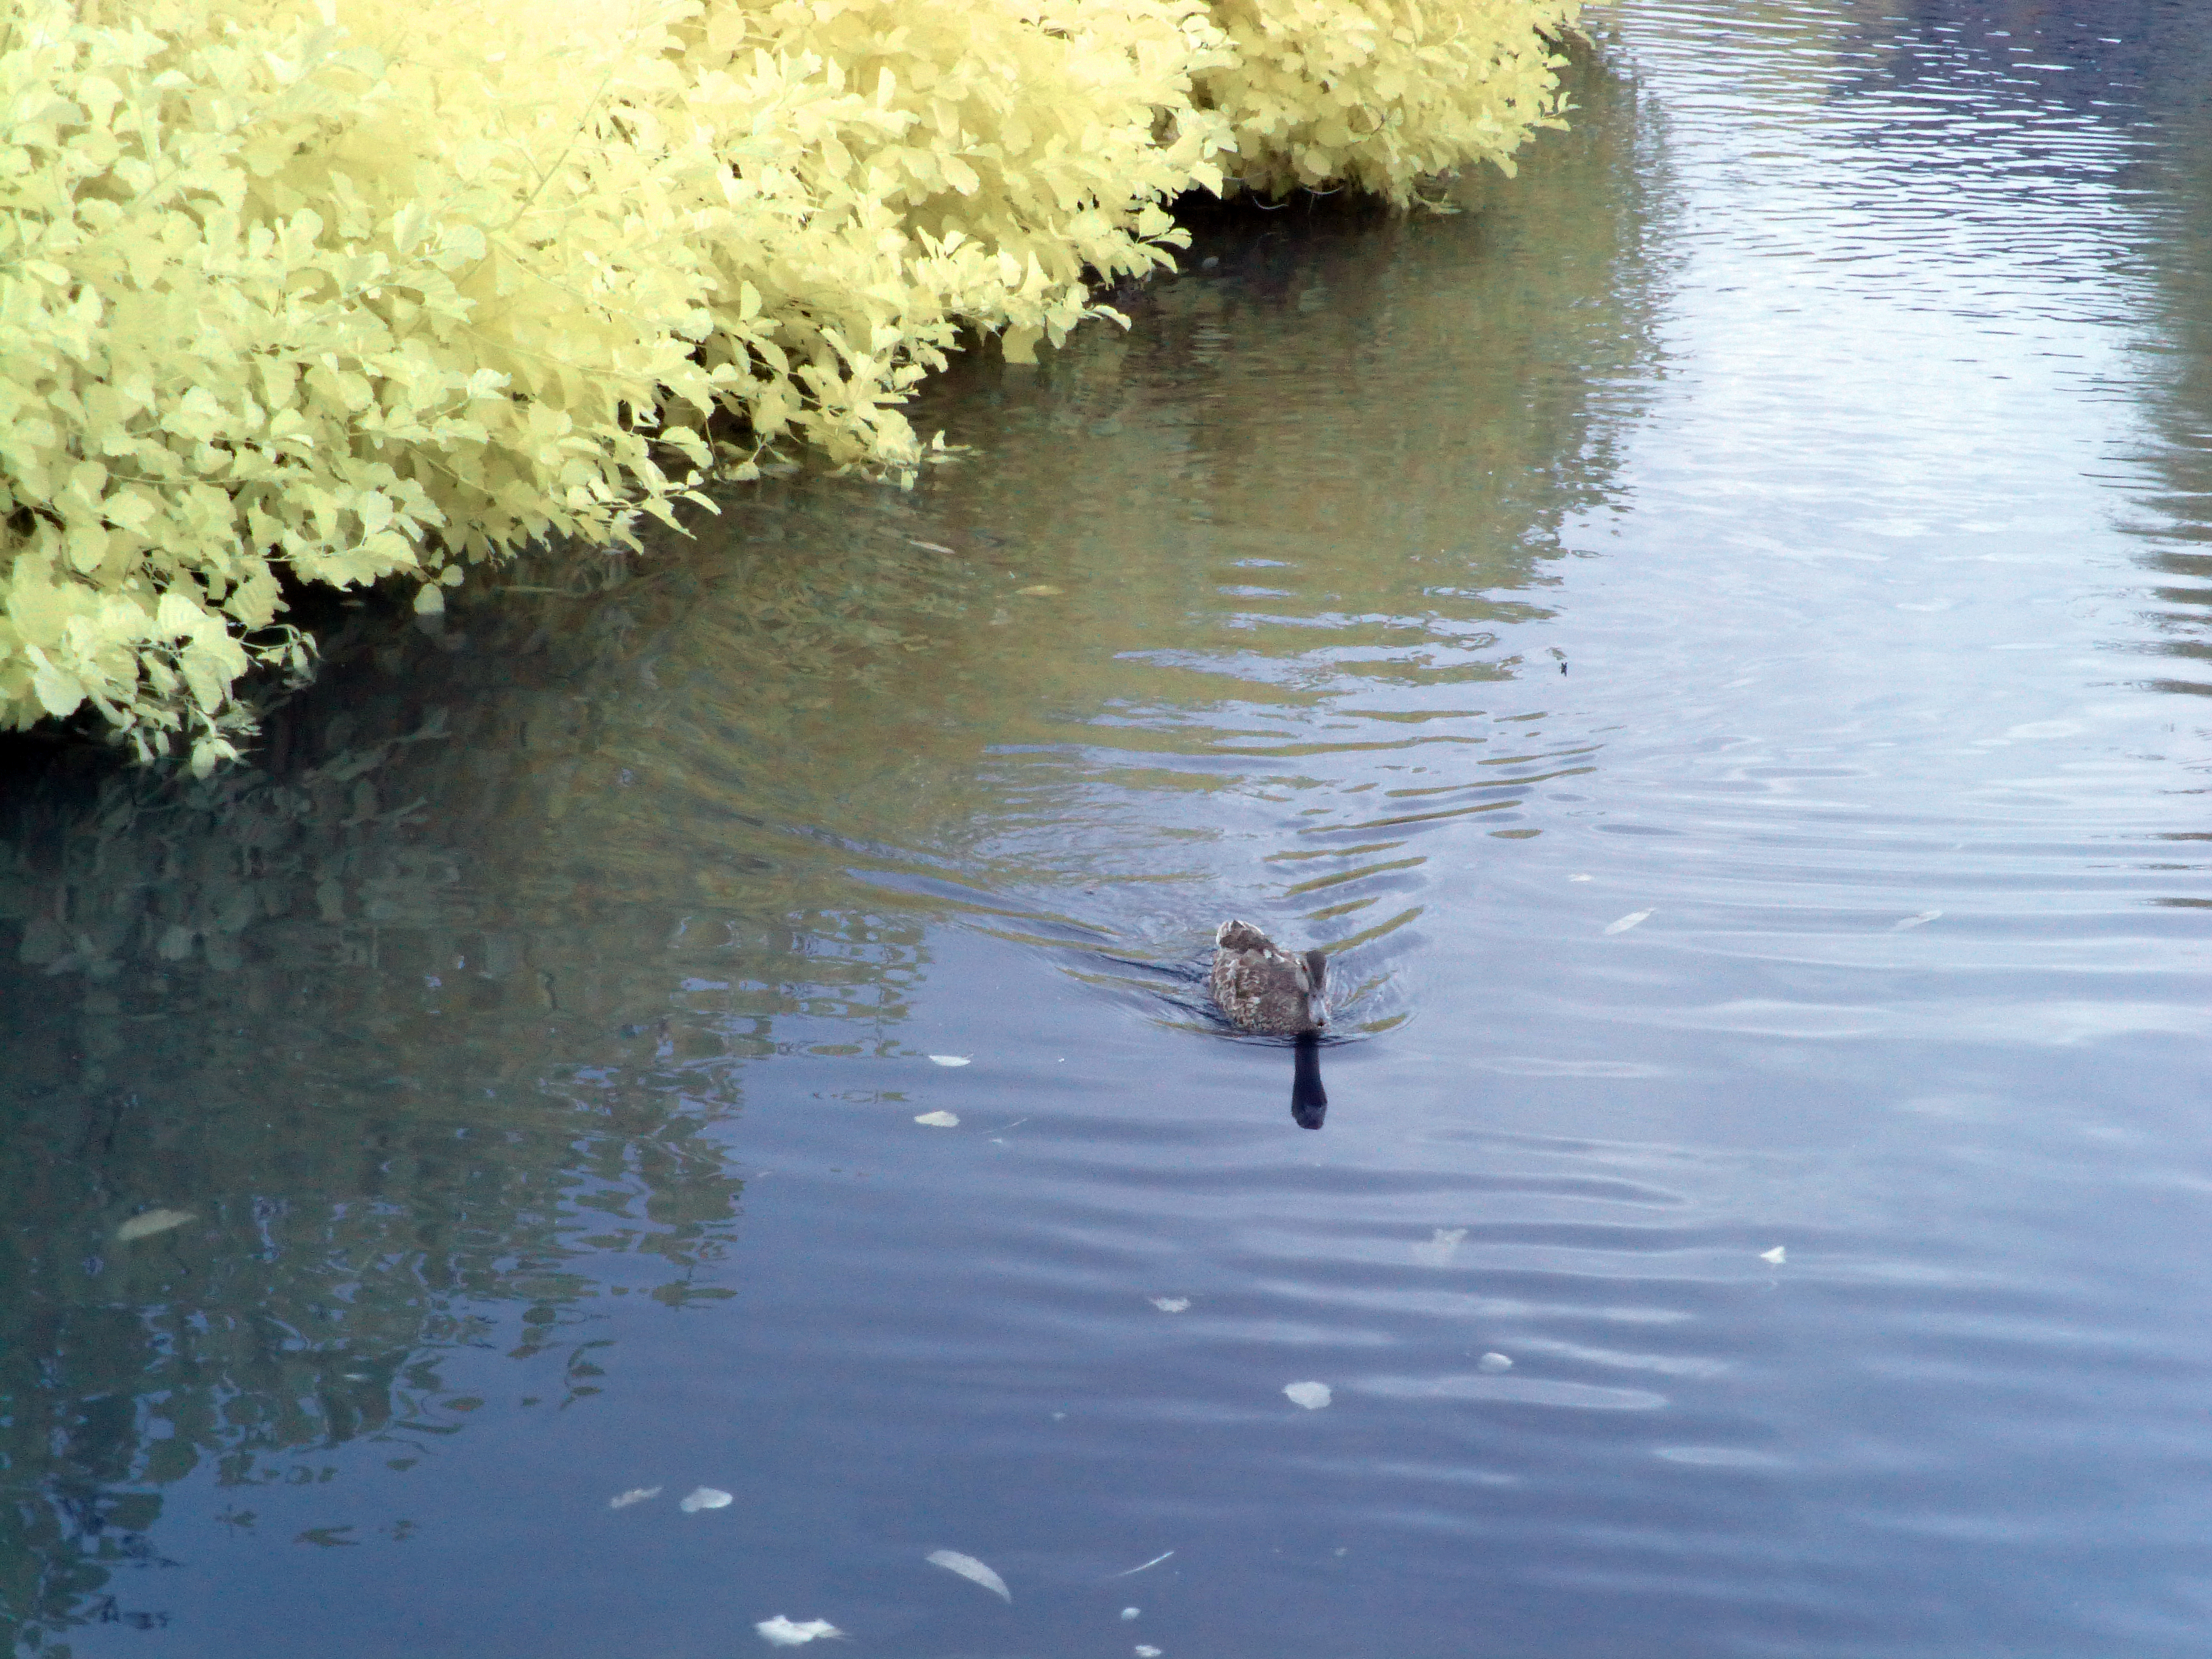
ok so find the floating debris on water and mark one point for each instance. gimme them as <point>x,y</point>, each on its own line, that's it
<point>1439,1250</point>
<point>1129,1612</point>
<point>1493,1362</point>
<point>1633,918</point>
<point>784,1632</point>
<point>1920,920</point>
<point>1042,590</point>
<point>1777,1255</point>
<point>952,1059</point>
<point>1312,1396</point>
<point>972,1570</point>
<point>1133,1571</point>
<point>1144,1652</point>
<point>940,1120</point>
<point>1171,1304</point>
<point>622,1500</point>
<point>704,1498</point>
<point>147,1222</point>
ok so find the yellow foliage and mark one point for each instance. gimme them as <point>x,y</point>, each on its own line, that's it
<point>899,170</point>
<point>359,288</point>
<point>1380,94</point>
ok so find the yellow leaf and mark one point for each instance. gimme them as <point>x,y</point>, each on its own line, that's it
<point>58,692</point>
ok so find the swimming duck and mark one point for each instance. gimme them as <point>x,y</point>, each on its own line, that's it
<point>1263,987</point>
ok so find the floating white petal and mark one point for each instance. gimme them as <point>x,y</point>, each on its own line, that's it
<point>1312,1396</point>
<point>635,1495</point>
<point>149,1222</point>
<point>951,1059</point>
<point>1439,1250</point>
<point>1493,1362</point>
<point>972,1570</point>
<point>1171,1304</point>
<point>1632,919</point>
<point>784,1632</point>
<point>1129,1613</point>
<point>1144,1652</point>
<point>1777,1255</point>
<point>1920,920</point>
<point>940,1120</point>
<point>704,1498</point>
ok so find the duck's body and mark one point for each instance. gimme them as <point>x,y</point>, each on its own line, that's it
<point>1264,988</point>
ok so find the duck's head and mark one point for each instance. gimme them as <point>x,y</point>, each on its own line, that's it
<point>1313,980</point>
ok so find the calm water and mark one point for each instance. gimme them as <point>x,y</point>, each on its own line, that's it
<point>1715,642</point>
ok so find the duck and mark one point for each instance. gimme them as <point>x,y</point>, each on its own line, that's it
<point>1264,988</point>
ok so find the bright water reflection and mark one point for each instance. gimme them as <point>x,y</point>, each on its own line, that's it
<point>536,1052</point>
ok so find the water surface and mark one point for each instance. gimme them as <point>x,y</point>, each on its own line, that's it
<point>1713,641</point>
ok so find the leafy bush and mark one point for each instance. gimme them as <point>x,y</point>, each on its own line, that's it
<point>383,292</point>
<point>1380,94</point>
<point>921,168</point>
<point>273,296</point>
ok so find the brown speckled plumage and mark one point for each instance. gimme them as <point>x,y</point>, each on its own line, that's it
<point>1263,987</point>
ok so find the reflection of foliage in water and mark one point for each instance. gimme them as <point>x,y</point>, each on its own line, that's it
<point>430,1023</point>
<point>2108,110</point>
<point>344,1236</point>
<point>407,1117</point>
<point>2138,81</point>
<point>2178,511</point>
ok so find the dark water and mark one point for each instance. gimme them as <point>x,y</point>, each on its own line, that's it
<point>537,1047</point>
